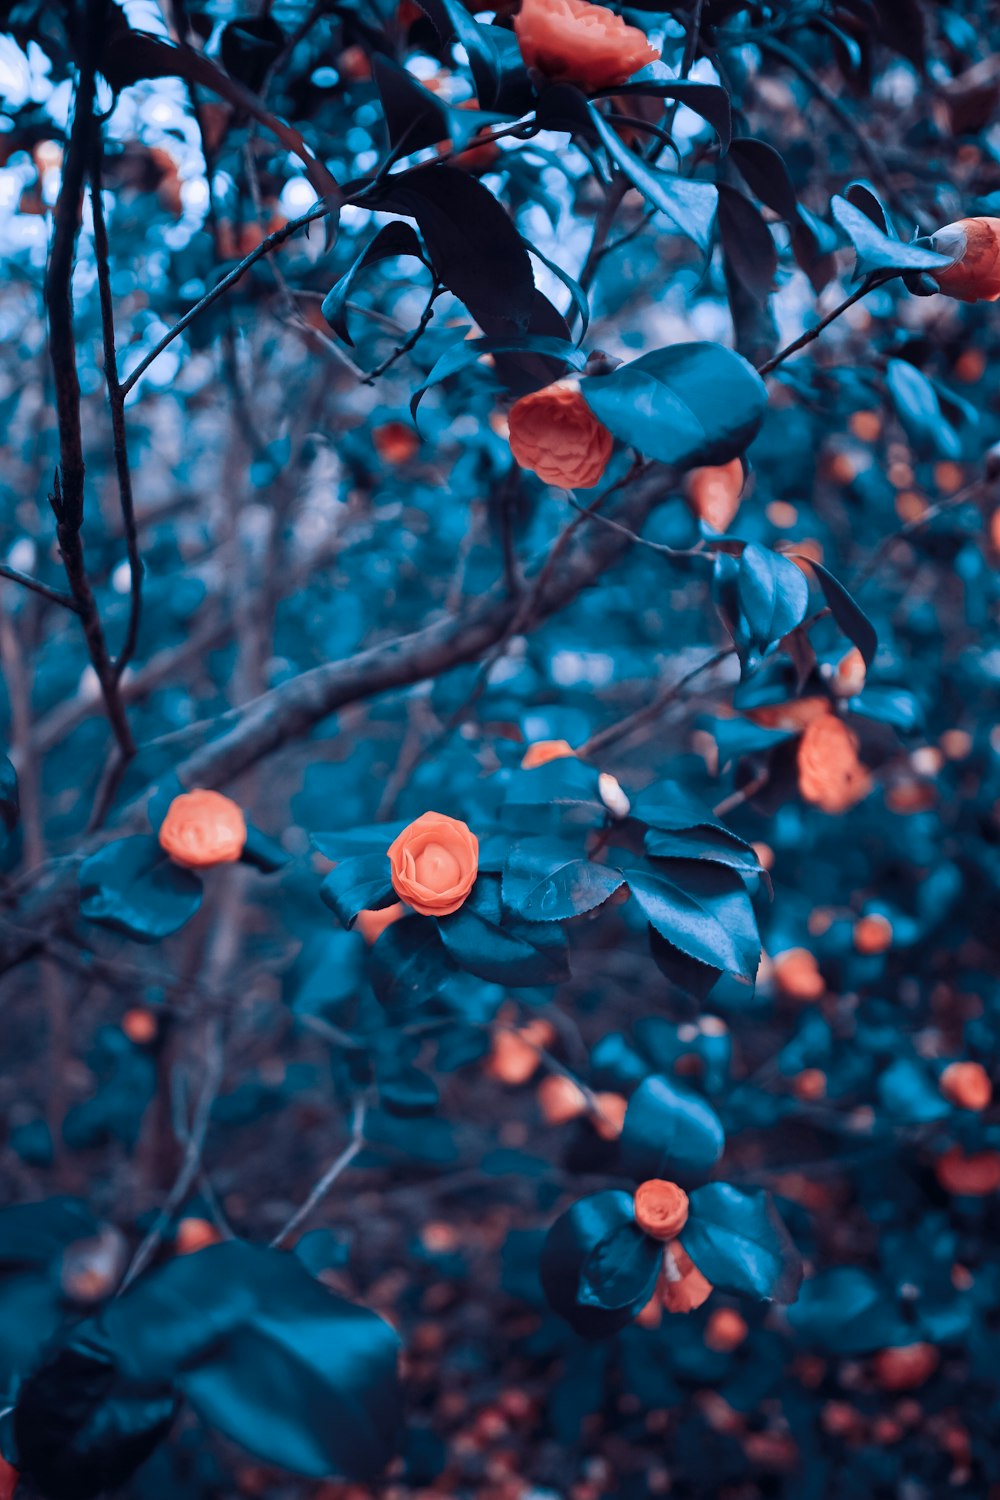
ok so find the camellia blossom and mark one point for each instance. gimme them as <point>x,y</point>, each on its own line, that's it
<point>434,863</point>
<point>683,1287</point>
<point>830,773</point>
<point>542,751</point>
<point>572,41</point>
<point>554,433</point>
<point>661,1208</point>
<point>975,276</point>
<point>8,1480</point>
<point>203,828</point>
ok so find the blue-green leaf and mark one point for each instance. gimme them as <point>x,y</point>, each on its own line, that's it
<point>670,1131</point>
<point>548,880</point>
<point>739,1242</point>
<point>132,887</point>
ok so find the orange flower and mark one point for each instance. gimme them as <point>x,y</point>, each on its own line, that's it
<point>611,1119</point>
<point>973,1176</point>
<point>661,1208</point>
<point>975,276</point>
<point>904,1367</point>
<point>542,751</point>
<point>554,433</point>
<point>872,934</point>
<point>967,1084</point>
<point>8,1480</point>
<point>797,975</point>
<point>572,41</point>
<point>809,1085</point>
<point>684,1287</point>
<point>726,1330</point>
<point>714,493</point>
<point>560,1100</point>
<point>395,442</point>
<point>195,1234</point>
<point>797,714</point>
<point>434,862</point>
<point>849,675</point>
<point>139,1026</point>
<point>372,924</point>
<point>203,828</point>
<point>514,1055</point>
<point>830,773</point>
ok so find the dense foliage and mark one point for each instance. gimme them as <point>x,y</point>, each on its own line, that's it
<point>497,573</point>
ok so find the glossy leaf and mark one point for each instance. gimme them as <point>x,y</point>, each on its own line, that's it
<point>739,1242</point>
<point>765,174</point>
<point>919,410</point>
<point>391,240</point>
<point>486,942</point>
<point>847,612</point>
<point>875,250</point>
<point>360,884</point>
<point>773,594</point>
<point>684,405</point>
<point>671,1132</point>
<point>133,888</point>
<point>568,1270</point>
<point>545,880</point>
<point>709,100</point>
<point>690,206</point>
<point>706,914</point>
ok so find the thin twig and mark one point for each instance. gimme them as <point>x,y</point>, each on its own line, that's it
<point>869,283</point>
<point>54,596</point>
<point>354,1148</point>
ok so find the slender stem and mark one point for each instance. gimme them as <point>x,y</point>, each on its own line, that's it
<point>67,496</point>
<point>54,596</point>
<point>354,1148</point>
<point>269,243</point>
<point>116,400</point>
<point>652,710</point>
<point>869,283</point>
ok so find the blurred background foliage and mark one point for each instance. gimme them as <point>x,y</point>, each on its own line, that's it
<point>291,513</point>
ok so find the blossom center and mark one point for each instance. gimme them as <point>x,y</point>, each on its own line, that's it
<point>437,868</point>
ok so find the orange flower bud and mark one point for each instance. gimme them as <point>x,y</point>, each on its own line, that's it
<point>726,1330</point>
<point>651,1314</point>
<point>372,924</point>
<point>872,934</point>
<point>572,41</point>
<point>609,1122</point>
<point>905,1367</point>
<point>967,1084</point>
<point>560,1100</point>
<point>796,715</point>
<point>542,751</point>
<point>797,975</point>
<point>139,1026</point>
<point>809,1085</point>
<point>975,276</point>
<point>195,1234</point>
<point>661,1208</point>
<point>973,1176</point>
<point>714,493</point>
<point>850,674</point>
<point>395,442</point>
<point>684,1287</point>
<point>554,433</point>
<point>434,863</point>
<point>8,1480</point>
<point>830,773</point>
<point>203,828</point>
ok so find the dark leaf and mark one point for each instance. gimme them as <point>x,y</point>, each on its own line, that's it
<point>267,1355</point>
<point>409,1092</point>
<point>262,852</point>
<point>347,843</point>
<point>704,911</point>
<point>475,248</point>
<point>717,846</point>
<point>569,1246</point>
<point>846,1311</point>
<point>773,594</point>
<point>690,206</point>
<point>360,884</point>
<point>9,799</point>
<point>875,250</point>
<point>494,946</point>
<point>414,117</point>
<point>133,888</point>
<point>545,880</point>
<point>765,174</point>
<point>849,615</point>
<point>621,1271</point>
<point>685,973</point>
<point>670,1132</point>
<point>392,239</point>
<point>747,243</point>
<point>249,47</point>
<point>919,410</point>
<point>706,99</point>
<point>409,964</point>
<point>468,352</point>
<point>684,405</point>
<point>494,57</point>
<point>739,1242</point>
